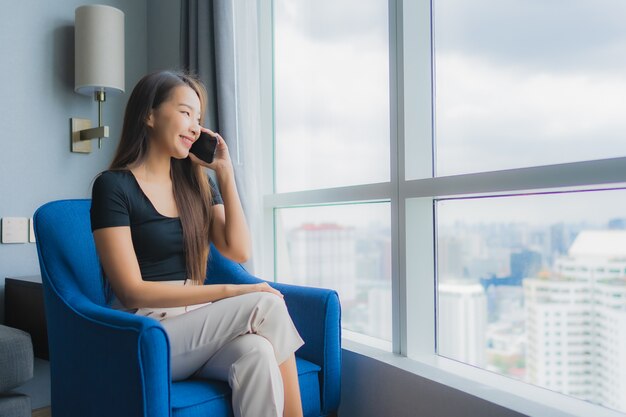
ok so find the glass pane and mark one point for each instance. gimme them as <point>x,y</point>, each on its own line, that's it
<point>534,287</point>
<point>528,83</point>
<point>331,93</point>
<point>347,248</point>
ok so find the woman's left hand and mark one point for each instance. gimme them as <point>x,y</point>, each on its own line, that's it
<point>222,156</point>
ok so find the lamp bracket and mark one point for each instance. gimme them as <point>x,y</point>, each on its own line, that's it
<point>94,133</point>
<point>82,133</point>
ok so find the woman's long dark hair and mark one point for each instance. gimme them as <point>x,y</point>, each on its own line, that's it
<point>190,183</point>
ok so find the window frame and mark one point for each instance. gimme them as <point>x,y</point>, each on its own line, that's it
<point>413,217</point>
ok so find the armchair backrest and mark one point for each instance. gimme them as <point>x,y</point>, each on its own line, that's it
<point>66,249</point>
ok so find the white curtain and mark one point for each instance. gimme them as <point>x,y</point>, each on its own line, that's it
<point>246,149</point>
<point>220,42</point>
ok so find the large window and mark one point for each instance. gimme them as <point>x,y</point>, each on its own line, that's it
<point>455,171</point>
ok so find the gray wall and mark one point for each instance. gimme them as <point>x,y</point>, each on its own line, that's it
<point>37,100</point>
<point>370,388</point>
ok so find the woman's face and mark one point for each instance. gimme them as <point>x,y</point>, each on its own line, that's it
<point>175,124</point>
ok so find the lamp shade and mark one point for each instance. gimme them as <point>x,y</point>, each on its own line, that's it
<point>99,49</point>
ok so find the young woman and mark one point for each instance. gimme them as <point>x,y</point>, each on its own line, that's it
<point>153,214</point>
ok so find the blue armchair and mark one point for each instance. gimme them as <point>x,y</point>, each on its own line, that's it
<point>105,362</point>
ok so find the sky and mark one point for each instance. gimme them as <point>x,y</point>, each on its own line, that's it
<point>517,83</point>
<point>359,216</point>
<point>593,207</point>
<point>528,82</point>
<point>332,93</point>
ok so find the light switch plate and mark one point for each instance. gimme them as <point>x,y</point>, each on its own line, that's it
<point>14,229</point>
<point>31,231</point>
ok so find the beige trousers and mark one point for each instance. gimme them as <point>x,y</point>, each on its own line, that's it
<point>241,340</point>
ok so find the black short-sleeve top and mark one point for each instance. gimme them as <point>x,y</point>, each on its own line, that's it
<point>118,200</point>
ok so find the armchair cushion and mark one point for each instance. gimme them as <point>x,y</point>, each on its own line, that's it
<point>308,377</point>
<point>196,398</point>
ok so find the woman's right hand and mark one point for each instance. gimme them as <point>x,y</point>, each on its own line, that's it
<point>263,287</point>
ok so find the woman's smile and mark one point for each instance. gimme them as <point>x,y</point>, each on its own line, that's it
<point>187,141</point>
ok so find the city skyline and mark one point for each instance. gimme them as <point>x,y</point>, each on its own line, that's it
<point>490,265</point>
<point>335,251</point>
<point>554,318</point>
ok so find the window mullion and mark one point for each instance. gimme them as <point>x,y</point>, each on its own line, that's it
<point>416,151</point>
<point>573,174</point>
<point>351,194</point>
<point>396,116</point>
<point>266,63</point>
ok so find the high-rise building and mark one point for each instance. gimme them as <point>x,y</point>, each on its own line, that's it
<point>559,326</point>
<point>525,263</point>
<point>610,316</point>
<point>617,223</point>
<point>379,313</point>
<point>462,322</point>
<point>576,321</point>
<point>450,257</point>
<point>324,255</point>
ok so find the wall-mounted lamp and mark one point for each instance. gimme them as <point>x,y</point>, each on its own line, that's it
<point>99,66</point>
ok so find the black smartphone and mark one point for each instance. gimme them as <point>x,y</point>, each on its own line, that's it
<point>204,148</point>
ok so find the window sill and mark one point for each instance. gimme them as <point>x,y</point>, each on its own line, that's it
<point>506,392</point>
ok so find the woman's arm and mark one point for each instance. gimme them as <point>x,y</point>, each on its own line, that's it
<point>117,255</point>
<point>229,229</point>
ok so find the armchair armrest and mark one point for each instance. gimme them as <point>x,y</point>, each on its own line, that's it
<point>316,312</point>
<point>132,351</point>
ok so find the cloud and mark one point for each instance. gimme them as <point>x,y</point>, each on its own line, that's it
<point>491,117</point>
<point>330,21</point>
<point>568,36</point>
<point>332,110</point>
<point>359,216</point>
